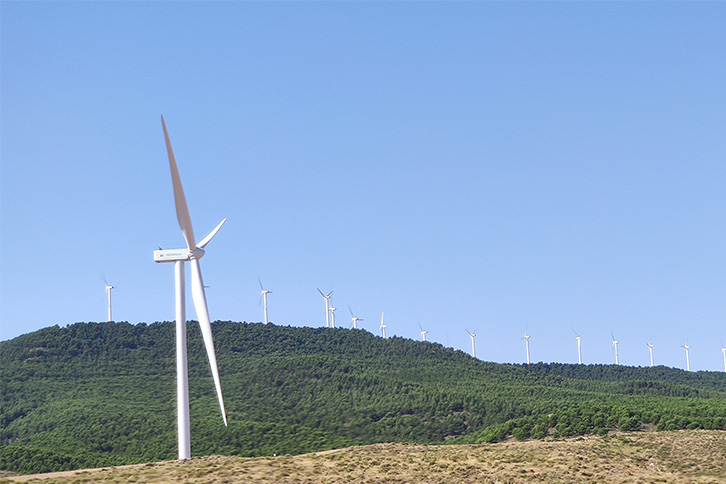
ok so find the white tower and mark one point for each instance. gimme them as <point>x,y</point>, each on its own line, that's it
<point>688,359</point>
<point>383,327</point>
<point>615,345</point>
<point>265,292</point>
<point>526,341</point>
<point>579,346</point>
<point>473,346</point>
<point>327,307</point>
<point>423,334</point>
<point>354,319</point>
<point>108,294</point>
<point>332,317</point>
<point>723,350</point>
<point>650,348</point>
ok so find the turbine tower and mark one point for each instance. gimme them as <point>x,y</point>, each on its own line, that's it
<point>723,350</point>
<point>327,306</point>
<point>192,253</point>
<point>354,318</point>
<point>332,316</point>
<point>688,359</point>
<point>108,294</point>
<point>383,326</point>
<point>579,346</point>
<point>423,333</point>
<point>473,346</point>
<point>615,345</point>
<point>650,348</point>
<point>526,341</point>
<point>265,292</point>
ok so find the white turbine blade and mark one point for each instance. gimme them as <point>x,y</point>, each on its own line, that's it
<point>200,306</point>
<point>209,237</point>
<point>182,212</point>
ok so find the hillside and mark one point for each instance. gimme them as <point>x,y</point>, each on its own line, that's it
<point>92,395</point>
<point>686,456</point>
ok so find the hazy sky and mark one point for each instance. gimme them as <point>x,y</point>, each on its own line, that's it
<point>494,167</point>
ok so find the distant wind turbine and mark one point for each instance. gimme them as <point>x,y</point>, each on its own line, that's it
<point>265,292</point>
<point>650,348</point>
<point>723,350</point>
<point>354,318</point>
<point>108,294</point>
<point>579,346</point>
<point>688,359</point>
<point>192,253</point>
<point>615,345</point>
<point>383,326</point>
<point>332,317</point>
<point>526,341</point>
<point>423,333</point>
<point>473,346</point>
<point>327,306</point>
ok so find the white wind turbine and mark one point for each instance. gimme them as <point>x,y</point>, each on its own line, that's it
<point>688,359</point>
<point>650,348</point>
<point>423,333</point>
<point>264,294</point>
<point>383,326</point>
<point>332,316</point>
<point>473,346</point>
<point>723,350</point>
<point>579,346</point>
<point>108,295</point>
<point>526,340</point>
<point>192,253</point>
<point>615,345</point>
<point>327,306</point>
<point>354,318</point>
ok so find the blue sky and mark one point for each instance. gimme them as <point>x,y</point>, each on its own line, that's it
<point>484,166</point>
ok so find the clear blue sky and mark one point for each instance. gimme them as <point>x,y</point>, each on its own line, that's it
<point>497,167</point>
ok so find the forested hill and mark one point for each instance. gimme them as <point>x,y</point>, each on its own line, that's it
<point>91,395</point>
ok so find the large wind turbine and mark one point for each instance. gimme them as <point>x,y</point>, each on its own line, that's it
<point>526,340</point>
<point>579,346</point>
<point>192,253</point>
<point>327,306</point>
<point>615,345</point>
<point>265,292</point>
<point>473,347</point>
<point>688,359</point>
<point>383,326</point>
<point>108,294</point>
<point>650,348</point>
<point>355,319</point>
<point>723,350</point>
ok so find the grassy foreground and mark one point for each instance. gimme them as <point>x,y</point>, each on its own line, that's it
<point>668,457</point>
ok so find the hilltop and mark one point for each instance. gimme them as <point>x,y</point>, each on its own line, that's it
<point>103,394</point>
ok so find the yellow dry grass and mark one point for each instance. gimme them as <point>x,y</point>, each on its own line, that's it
<point>649,457</point>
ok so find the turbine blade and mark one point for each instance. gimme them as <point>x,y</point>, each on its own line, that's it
<point>182,212</point>
<point>200,306</point>
<point>209,237</point>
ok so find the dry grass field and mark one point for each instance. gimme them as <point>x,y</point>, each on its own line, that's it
<point>647,457</point>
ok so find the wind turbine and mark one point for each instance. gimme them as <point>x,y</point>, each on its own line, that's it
<point>688,359</point>
<point>650,348</point>
<point>192,253</point>
<point>327,306</point>
<point>615,345</point>
<point>355,319</point>
<point>526,340</point>
<point>473,346</point>
<point>108,294</point>
<point>579,346</point>
<point>265,292</point>
<point>423,333</point>
<point>383,326</point>
<point>723,350</point>
<point>332,316</point>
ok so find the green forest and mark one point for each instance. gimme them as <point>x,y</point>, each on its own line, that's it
<point>102,394</point>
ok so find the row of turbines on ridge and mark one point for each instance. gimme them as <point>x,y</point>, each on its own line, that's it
<point>330,323</point>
